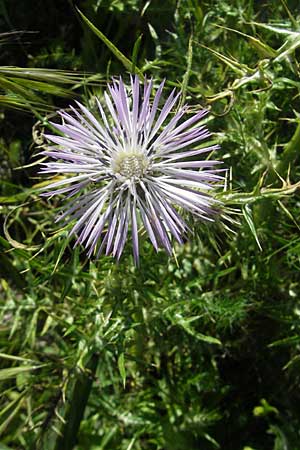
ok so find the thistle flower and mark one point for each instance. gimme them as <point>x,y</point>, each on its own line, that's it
<point>135,164</point>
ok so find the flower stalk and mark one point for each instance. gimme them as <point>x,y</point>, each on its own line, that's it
<point>290,153</point>
<point>76,406</point>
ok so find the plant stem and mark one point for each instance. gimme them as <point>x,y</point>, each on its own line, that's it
<point>76,406</point>
<point>265,210</point>
<point>290,152</point>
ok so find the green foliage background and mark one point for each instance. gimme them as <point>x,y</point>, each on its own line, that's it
<point>199,351</point>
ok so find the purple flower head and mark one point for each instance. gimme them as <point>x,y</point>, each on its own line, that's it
<point>136,164</point>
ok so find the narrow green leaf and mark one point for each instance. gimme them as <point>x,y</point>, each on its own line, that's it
<point>203,337</point>
<point>156,40</point>
<point>19,103</point>
<point>14,406</point>
<point>12,241</point>
<point>291,44</point>
<point>31,331</point>
<point>12,372</point>
<point>264,49</point>
<point>16,198</point>
<point>239,68</point>
<point>286,341</point>
<point>196,11</point>
<point>248,217</point>
<point>41,86</point>
<point>135,52</point>
<point>185,324</point>
<point>121,366</point>
<point>12,86</point>
<point>186,76</point>
<point>118,54</point>
<point>15,358</point>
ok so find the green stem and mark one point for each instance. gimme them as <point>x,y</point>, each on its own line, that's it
<point>290,153</point>
<point>265,210</point>
<point>77,404</point>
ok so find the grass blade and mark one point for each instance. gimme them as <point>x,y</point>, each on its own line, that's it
<point>129,65</point>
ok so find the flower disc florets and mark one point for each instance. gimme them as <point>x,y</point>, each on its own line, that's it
<point>134,164</point>
<point>130,165</point>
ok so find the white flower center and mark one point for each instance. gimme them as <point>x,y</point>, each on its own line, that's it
<point>130,164</point>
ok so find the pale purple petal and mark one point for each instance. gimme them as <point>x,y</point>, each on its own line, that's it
<point>137,163</point>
